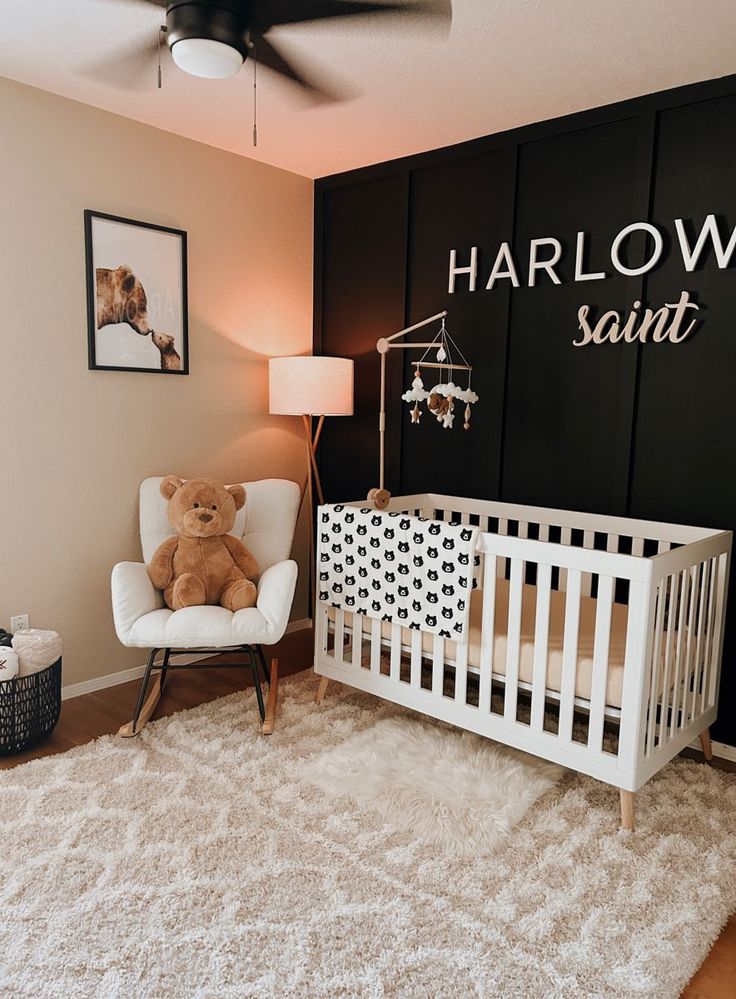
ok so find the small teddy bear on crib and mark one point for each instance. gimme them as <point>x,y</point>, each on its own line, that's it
<point>202,563</point>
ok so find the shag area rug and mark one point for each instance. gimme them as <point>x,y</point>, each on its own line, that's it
<point>450,788</point>
<point>196,861</point>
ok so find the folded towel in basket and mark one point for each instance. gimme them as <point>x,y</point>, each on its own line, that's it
<point>36,649</point>
<point>8,664</point>
<point>408,570</point>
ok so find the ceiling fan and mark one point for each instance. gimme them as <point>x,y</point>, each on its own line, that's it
<point>213,38</point>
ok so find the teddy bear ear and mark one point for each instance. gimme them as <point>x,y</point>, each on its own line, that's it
<point>169,485</point>
<point>238,494</point>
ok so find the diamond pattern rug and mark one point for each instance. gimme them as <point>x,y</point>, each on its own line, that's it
<point>195,861</point>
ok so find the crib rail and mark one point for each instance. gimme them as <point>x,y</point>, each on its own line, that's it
<point>603,656</point>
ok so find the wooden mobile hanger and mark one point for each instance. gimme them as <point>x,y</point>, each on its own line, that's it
<point>380,496</point>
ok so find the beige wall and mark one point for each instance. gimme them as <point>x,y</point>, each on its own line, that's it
<point>76,443</point>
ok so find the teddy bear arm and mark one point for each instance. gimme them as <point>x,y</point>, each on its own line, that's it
<point>241,556</point>
<point>161,567</point>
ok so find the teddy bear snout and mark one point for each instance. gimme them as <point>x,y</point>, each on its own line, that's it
<point>205,517</point>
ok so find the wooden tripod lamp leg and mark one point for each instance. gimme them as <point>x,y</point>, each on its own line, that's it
<point>706,745</point>
<point>272,702</point>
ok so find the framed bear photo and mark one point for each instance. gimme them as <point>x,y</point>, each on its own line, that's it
<point>136,295</point>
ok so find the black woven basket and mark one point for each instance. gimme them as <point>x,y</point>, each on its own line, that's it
<point>29,708</point>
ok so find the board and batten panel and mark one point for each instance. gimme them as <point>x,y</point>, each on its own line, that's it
<point>363,299</point>
<point>684,467</point>
<point>456,205</point>
<point>569,409</point>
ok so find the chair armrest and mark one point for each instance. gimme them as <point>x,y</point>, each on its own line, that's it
<point>133,595</point>
<point>275,596</point>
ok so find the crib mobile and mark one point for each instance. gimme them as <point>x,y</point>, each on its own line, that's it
<point>440,399</point>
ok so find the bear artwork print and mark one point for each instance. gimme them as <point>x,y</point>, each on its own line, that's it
<point>202,563</point>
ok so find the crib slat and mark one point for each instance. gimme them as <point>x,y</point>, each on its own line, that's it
<point>395,660</point>
<point>461,672</point>
<point>653,665</point>
<point>570,653</point>
<point>487,633</point>
<point>565,539</point>
<point>700,635</point>
<point>679,651</point>
<point>708,651</point>
<point>375,645</point>
<point>637,547</point>
<point>720,567</point>
<point>339,635</point>
<point>612,543</point>
<point>438,664</point>
<point>544,532</point>
<point>513,639</point>
<point>415,676</point>
<point>541,644</point>
<point>690,644</point>
<point>323,625</point>
<point>671,634</point>
<point>588,542</point>
<point>601,646</point>
<point>357,623</point>
<point>503,529</point>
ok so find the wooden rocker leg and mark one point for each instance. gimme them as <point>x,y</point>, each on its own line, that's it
<point>322,690</point>
<point>272,702</point>
<point>706,744</point>
<point>143,711</point>
<point>627,810</point>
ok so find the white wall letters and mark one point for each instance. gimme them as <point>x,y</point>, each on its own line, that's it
<point>647,265</point>
<point>472,270</point>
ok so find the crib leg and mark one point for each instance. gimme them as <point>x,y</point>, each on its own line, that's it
<point>627,810</point>
<point>322,690</point>
<point>706,744</point>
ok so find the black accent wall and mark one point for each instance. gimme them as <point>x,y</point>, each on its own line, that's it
<point>645,430</point>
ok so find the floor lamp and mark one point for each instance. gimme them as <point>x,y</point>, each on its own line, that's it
<point>308,387</point>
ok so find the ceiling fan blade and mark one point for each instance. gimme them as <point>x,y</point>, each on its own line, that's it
<point>275,12</point>
<point>130,68</point>
<point>268,55</point>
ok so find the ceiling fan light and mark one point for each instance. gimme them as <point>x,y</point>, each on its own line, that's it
<point>206,58</point>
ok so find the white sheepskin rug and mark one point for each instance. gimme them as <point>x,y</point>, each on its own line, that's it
<point>449,788</point>
<point>196,862</point>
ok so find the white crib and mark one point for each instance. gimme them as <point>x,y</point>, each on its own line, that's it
<point>594,642</point>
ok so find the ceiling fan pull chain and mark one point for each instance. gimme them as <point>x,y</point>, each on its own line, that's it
<point>255,95</point>
<point>161,36</point>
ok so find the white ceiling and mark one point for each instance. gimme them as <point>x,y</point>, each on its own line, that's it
<point>504,63</point>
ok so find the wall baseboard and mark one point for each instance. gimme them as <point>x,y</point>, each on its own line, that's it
<point>136,672</point>
<point>720,749</point>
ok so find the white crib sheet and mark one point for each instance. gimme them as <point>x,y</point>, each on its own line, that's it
<point>556,630</point>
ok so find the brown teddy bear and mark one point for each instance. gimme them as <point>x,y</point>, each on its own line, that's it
<point>203,564</point>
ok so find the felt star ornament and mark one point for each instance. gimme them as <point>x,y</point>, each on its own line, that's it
<point>416,414</point>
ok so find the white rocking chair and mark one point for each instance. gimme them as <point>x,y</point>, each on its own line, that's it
<point>266,526</point>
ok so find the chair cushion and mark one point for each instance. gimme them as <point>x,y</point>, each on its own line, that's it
<point>265,524</point>
<point>208,626</point>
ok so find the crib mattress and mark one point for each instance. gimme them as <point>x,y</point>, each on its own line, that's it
<point>584,672</point>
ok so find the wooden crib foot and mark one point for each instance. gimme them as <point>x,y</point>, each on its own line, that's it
<point>272,702</point>
<point>707,745</point>
<point>322,690</point>
<point>627,810</point>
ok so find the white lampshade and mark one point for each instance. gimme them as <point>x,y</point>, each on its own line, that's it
<point>315,386</point>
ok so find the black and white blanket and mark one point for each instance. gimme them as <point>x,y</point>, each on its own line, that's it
<point>407,570</point>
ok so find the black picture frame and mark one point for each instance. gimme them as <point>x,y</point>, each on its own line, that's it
<point>168,344</point>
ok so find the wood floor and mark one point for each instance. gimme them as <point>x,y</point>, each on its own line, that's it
<point>92,715</point>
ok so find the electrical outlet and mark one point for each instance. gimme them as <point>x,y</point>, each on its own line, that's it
<point>21,622</point>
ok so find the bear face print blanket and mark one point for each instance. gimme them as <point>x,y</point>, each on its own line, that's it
<point>408,570</point>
